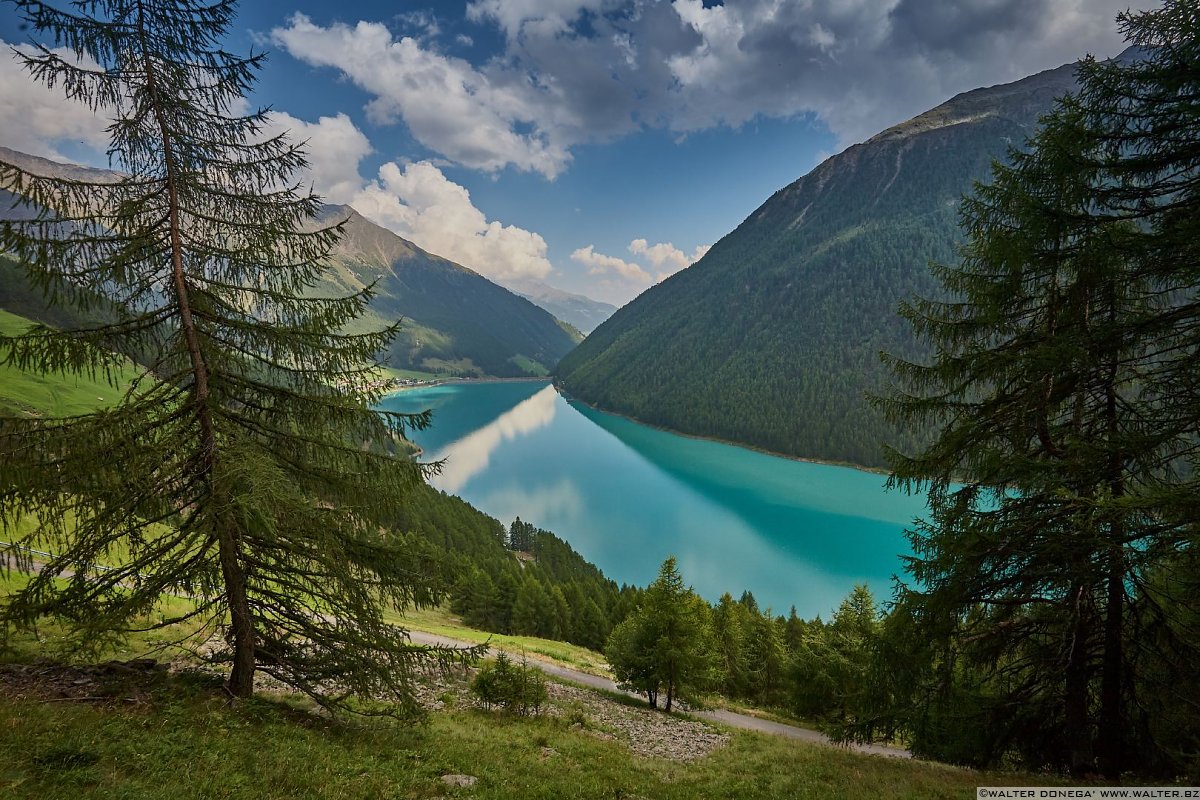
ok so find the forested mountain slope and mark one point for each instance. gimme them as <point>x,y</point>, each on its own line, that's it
<point>455,320</point>
<point>773,337</point>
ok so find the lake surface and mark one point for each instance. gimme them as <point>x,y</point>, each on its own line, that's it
<point>626,496</point>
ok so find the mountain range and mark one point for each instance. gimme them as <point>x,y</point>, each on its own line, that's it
<point>455,321</point>
<point>773,338</point>
<point>584,313</point>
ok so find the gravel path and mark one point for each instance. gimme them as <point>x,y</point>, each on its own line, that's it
<point>730,718</point>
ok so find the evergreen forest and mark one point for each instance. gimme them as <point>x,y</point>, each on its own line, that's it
<point>1038,381</point>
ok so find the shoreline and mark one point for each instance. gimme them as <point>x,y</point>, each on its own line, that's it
<point>698,436</point>
<point>717,440</point>
<point>454,381</point>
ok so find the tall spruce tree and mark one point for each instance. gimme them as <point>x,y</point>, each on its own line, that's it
<point>246,470</point>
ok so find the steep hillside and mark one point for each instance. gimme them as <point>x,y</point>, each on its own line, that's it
<point>455,320</point>
<point>773,337</point>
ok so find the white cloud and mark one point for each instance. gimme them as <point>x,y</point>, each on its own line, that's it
<point>421,204</point>
<point>600,264</point>
<point>37,120</point>
<point>665,258</point>
<point>416,201</point>
<point>447,104</point>
<point>513,15</point>
<point>335,146</point>
<point>578,71</point>
<point>862,66</point>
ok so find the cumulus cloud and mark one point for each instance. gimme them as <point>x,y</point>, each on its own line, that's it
<point>665,258</point>
<point>577,71</point>
<point>600,264</point>
<point>424,206</point>
<point>447,104</point>
<point>37,120</point>
<point>865,65</point>
<point>416,201</point>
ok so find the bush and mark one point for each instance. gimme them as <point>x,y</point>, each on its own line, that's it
<point>517,688</point>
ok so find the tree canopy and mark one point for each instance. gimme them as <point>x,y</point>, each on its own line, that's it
<point>246,469</point>
<point>1062,385</point>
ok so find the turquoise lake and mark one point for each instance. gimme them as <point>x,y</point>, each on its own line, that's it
<point>626,496</point>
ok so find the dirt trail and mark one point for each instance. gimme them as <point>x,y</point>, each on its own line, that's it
<point>730,718</point>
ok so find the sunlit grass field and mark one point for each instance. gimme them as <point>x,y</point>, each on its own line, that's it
<point>54,394</point>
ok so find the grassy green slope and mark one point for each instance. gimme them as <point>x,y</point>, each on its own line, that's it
<point>773,337</point>
<point>454,320</point>
<point>54,394</point>
<point>186,742</point>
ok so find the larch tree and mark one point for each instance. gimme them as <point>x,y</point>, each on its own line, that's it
<point>246,469</point>
<point>1146,117</point>
<point>1024,568</point>
<point>1060,577</point>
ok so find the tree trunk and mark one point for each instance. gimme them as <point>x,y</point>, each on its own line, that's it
<point>1111,676</point>
<point>241,674</point>
<point>1077,730</point>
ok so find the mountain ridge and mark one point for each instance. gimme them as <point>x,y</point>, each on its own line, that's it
<point>772,338</point>
<point>581,311</point>
<point>456,321</point>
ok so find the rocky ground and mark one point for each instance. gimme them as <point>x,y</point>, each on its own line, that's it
<point>646,732</point>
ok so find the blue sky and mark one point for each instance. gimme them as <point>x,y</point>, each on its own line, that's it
<point>595,145</point>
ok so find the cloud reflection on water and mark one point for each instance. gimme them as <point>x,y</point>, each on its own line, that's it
<point>470,455</point>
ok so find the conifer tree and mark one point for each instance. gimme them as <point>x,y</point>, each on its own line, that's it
<point>729,623</point>
<point>246,469</point>
<point>766,657</point>
<point>1146,117</point>
<point>1029,569</point>
<point>664,644</point>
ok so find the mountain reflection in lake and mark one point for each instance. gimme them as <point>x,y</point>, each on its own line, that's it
<point>626,496</point>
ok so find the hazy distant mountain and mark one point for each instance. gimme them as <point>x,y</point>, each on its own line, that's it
<point>455,320</point>
<point>581,311</point>
<point>772,338</point>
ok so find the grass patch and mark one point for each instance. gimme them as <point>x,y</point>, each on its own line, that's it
<point>56,394</point>
<point>187,742</point>
<point>50,638</point>
<point>528,365</point>
<point>441,622</point>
